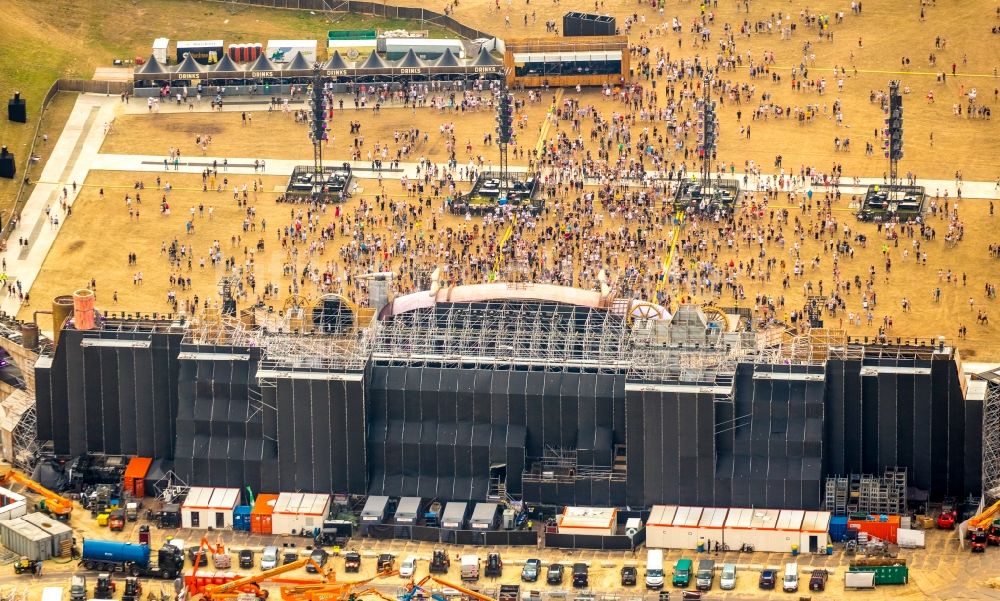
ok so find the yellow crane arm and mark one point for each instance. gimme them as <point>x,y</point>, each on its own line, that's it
<point>985,518</point>
<point>239,583</point>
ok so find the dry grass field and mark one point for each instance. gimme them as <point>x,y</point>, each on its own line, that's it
<point>969,145</point>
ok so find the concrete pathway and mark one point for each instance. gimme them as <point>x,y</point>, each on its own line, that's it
<point>68,163</point>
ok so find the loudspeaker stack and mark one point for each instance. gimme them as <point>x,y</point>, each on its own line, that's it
<point>17,110</point>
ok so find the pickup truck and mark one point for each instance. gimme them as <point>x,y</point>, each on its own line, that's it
<point>352,562</point>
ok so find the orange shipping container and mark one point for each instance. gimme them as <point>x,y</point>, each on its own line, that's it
<point>135,475</point>
<point>260,515</point>
<point>884,530</point>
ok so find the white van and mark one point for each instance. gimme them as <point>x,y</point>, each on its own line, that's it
<point>470,567</point>
<point>790,583</point>
<point>408,567</point>
<point>269,558</point>
<point>654,569</point>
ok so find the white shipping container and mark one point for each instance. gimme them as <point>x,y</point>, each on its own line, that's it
<point>14,505</point>
<point>910,539</point>
<point>52,593</point>
<point>207,507</point>
<point>661,517</point>
<point>24,539</point>
<point>815,532</point>
<point>160,49</point>
<point>295,512</point>
<point>684,533</point>
<point>57,531</point>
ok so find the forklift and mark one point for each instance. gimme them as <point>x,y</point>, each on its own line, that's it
<point>979,540</point>
<point>105,587</point>
<point>133,589</point>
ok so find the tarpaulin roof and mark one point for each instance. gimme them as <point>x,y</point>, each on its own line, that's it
<point>298,63</point>
<point>188,66</point>
<point>336,62</point>
<point>485,59</point>
<point>447,59</point>
<point>152,67</point>
<point>411,61</point>
<point>262,64</point>
<point>374,62</point>
<point>226,65</point>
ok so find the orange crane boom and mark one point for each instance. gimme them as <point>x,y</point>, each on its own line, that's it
<point>252,581</point>
<point>461,589</point>
<point>58,505</point>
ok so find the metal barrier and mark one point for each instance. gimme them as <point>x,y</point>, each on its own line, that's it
<point>487,538</point>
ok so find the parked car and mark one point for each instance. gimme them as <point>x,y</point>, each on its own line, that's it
<point>288,557</point>
<point>817,581</point>
<point>554,575</point>
<point>246,559</point>
<point>768,579</point>
<point>629,575</point>
<point>408,567</point>
<point>269,558</point>
<point>581,575</point>
<point>727,580</point>
<point>532,568</point>
<point>352,561</point>
<point>193,556</point>
<point>320,556</point>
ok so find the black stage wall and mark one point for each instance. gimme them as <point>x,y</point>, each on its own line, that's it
<point>319,427</point>
<point>440,431</point>
<point>219,431</point>
<point>903,411</point>
<point>117,389</point>
<point>670,433</point>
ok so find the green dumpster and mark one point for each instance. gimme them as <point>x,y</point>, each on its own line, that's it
<point>886,574</point>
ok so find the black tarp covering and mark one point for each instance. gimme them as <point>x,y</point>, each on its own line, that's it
<point>116,399</point>
<point>219,426</point>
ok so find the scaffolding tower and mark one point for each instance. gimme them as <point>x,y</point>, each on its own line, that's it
<point>866,493</point>
<point>991,442</point>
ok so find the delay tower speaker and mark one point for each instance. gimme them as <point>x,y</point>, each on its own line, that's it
<point>17,110</point>
<point>7,166</point>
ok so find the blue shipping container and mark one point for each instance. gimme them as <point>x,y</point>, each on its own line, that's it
<point>241,518</point>
<point>109,550</point>
<point>838,528</point>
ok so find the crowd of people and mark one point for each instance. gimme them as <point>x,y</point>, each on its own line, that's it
<point>608,168</point>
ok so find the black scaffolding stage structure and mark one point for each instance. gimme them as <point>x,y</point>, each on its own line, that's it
<point>493,189</point>
<point>893,203</point>
<point>699,196</point>
<point>331,184</point>
<point>538,392</point>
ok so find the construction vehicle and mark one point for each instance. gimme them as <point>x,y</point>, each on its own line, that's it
<point>993,534</point>
<point>55,505</point>
<point>329,589</point>
<point>133,589</point>
<point>979,540</point>
<point>116,521</point>
<point>132,511</point>
<point>985,519</point>
<point>27,566</point>
<point>132,558</point>
<point>440,562</point>
<point>468,593</point>
<point>948,516</point>
<point>250,584</point>
<point>105,587</point>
